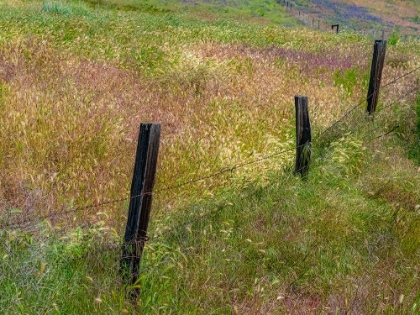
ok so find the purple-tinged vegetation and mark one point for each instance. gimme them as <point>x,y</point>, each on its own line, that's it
<point>352,16</point>
<point>333,60</point>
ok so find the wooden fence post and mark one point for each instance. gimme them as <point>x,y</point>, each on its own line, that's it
<point>303,136</point>
<point>376,74</point>
<point>140,203</point>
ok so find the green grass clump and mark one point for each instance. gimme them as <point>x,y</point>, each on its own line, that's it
<point>394,38</point>
<point>346,79</point>
<point>72,274</point>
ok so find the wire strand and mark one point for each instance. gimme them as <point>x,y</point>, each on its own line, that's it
<point>217,173</point>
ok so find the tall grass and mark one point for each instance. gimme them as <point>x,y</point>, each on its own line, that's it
<point>77,79</point>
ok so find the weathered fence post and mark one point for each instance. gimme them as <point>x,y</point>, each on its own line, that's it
<point>140,203</point>
<point>303,136</point>
<point>376,74</point>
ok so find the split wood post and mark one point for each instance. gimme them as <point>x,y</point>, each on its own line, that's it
<point>378,59</point>
<point>303,136</point>
<point>140,203</point>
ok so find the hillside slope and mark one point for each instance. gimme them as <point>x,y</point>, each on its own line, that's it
<point>363,16</point>
<point>366,16</point>
<point>233,230</point>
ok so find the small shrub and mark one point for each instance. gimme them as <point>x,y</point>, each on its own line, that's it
<point>394,38</point>
<point>55,7</point>
<point>64,8</point>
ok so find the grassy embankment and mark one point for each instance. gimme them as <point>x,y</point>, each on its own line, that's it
<point>76,79</point>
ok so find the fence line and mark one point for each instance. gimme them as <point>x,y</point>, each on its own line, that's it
<point>311,19</point>
<point>192,181</point>
<point>219,172</point>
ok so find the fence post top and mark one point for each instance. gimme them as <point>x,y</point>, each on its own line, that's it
<point>150,124</point>
<point>301,96</point>
<point>380,41</point>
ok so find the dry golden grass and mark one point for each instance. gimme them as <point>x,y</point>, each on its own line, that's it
<point>71,121</point>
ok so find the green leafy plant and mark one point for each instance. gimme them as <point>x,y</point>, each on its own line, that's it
<point>394,37</point>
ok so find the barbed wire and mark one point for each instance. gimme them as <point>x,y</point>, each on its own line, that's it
<point>118,244</point>
<point>216,173</point>
<point>186,183</point>
<point>189,182</point>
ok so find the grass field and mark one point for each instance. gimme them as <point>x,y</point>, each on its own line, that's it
<point>78,77</point>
